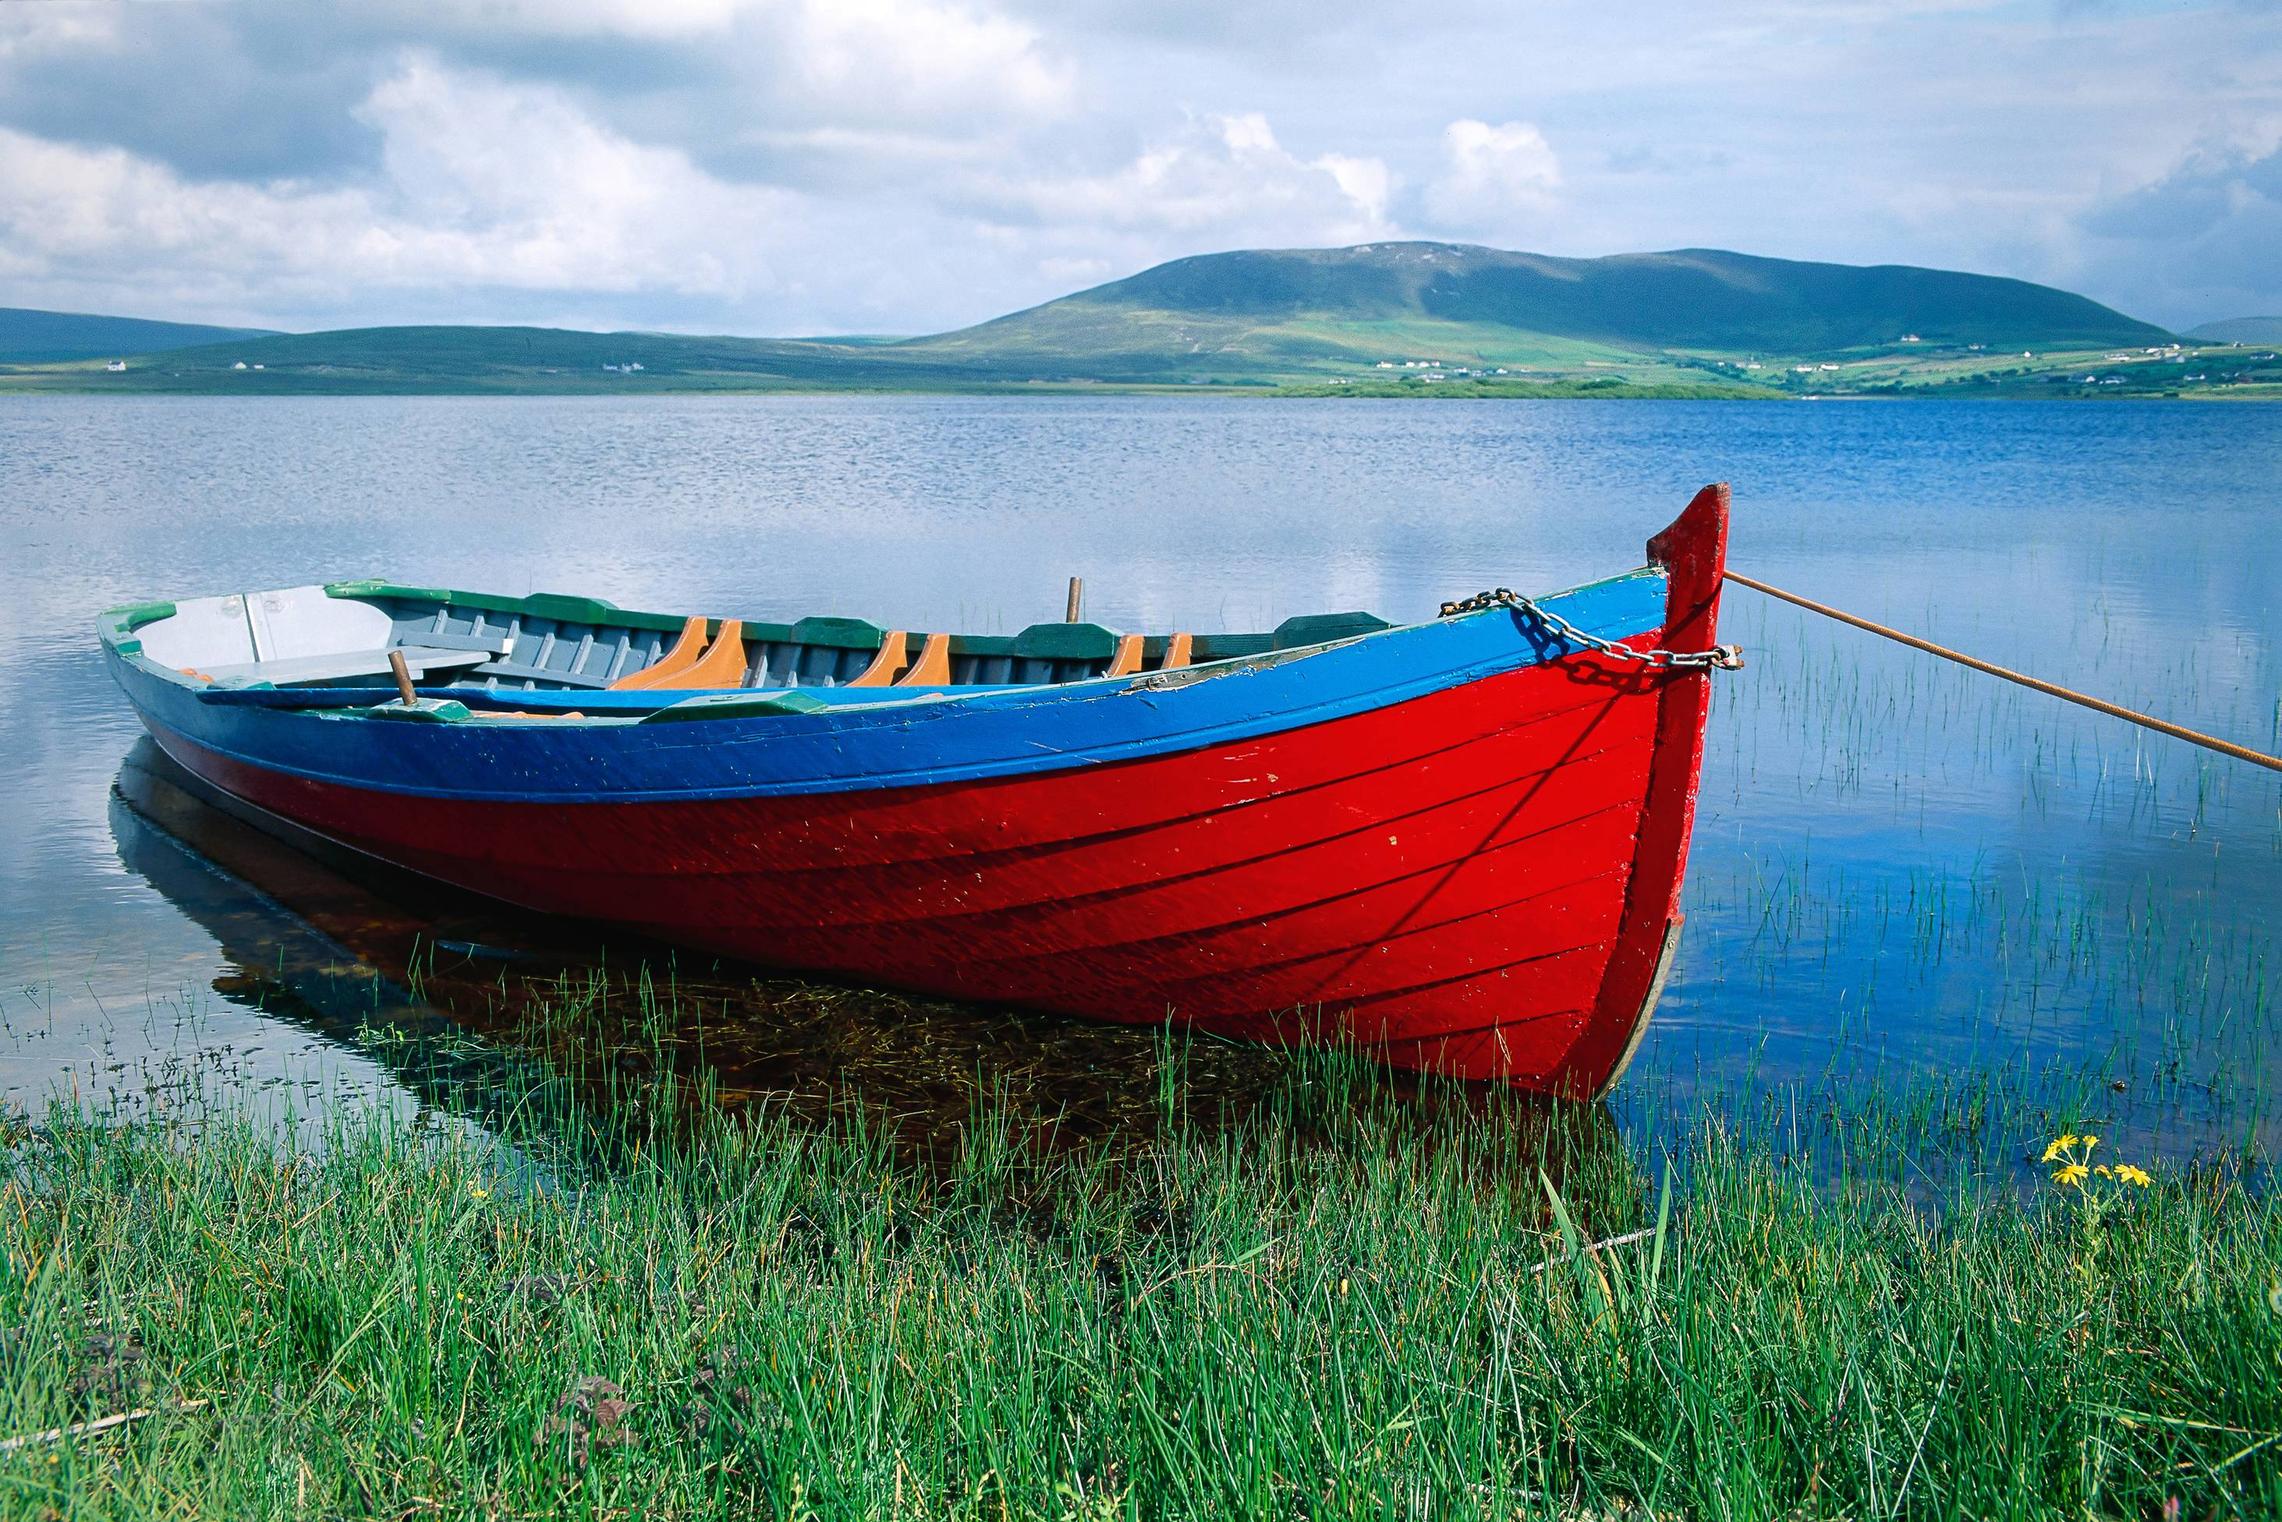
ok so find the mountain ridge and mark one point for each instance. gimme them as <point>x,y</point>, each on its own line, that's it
<point>34,335</point>
<point>1366,318</point>
<point>2239,330</point>
<point>1679,299</point>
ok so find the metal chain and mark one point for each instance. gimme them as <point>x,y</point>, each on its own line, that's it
<point>1717,658</point>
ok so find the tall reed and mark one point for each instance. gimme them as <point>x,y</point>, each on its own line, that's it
<point>1347,1301</point>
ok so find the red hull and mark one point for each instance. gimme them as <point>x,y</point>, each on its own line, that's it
<point>1483,881</point>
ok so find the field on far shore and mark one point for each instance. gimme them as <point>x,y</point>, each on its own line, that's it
<point>1295,358</point>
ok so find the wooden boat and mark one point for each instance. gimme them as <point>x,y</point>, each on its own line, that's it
<point>1456,844</point>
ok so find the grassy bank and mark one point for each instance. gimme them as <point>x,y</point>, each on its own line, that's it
<point>1344,1303</point>
<point>1092,350</point>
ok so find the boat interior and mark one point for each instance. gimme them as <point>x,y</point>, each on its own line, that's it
<point>486,651</point>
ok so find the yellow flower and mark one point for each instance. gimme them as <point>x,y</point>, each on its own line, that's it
<point>2090,1141</point>
<point>477,1191</point>
<point>2073,1175</point>
<point>2131,1175</point>
<point>2053,1151</point>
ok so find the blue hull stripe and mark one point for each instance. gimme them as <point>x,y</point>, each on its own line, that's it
<point>880,739</point>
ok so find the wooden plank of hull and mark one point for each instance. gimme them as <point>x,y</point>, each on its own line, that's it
<point>1350,891</point>
<point>1236,908</point>
<point>911,853</point>
<point>1498,937</point>
<point>1177,877</point>
<point>1479,878</point>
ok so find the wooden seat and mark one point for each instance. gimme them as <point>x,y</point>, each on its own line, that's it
<point>933,668</point>
<point>893,657</point>
<point>691,663</point>
<point>304,670</point>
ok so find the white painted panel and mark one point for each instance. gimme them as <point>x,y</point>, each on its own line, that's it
<point>204,631</point>
<point>301,621</point>
<point>263,626</point>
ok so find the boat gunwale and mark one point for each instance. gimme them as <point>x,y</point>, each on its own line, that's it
<point>116,628</point>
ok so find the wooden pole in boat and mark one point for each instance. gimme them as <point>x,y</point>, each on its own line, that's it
<point>2054,689</point>
<point>1077,599</point>
<point>403,678</point>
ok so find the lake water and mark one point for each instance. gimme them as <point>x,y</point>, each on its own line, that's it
<point>1906,876</point>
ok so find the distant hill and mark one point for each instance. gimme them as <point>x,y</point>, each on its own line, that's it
<point>30,337</point>
<point>1301,300</point>
<point>441,358</point>
<point>1399,318</point>
<point>2240,330</point>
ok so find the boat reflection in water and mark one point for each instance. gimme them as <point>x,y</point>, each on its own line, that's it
<point>467,1002</point>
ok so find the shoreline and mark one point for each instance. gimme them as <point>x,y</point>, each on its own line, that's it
<point>13,386</point>
<point>635,1300</point>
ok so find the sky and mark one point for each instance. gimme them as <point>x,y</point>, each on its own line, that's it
<point>908,166</point>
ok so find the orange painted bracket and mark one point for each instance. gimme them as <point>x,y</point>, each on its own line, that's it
<point>1128,657</point>
<point>723,665</point>
<point>690,663</point>
<point>1176,653</point>
<point>680,658</point>
<point>895,654</point>
<point>933,668</point>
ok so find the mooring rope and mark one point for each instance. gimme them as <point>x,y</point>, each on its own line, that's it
<point>2082,699</point>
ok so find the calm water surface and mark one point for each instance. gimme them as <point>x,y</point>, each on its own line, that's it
<point>1905,875</point>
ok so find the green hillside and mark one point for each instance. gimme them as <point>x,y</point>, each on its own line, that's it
<point>1300,306</point>
<point>2240,330</point>
<point>29,336</point>
<point>484,359</point>
<point>1379,319</point>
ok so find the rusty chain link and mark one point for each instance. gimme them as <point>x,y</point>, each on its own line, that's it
<point>1717,658</point>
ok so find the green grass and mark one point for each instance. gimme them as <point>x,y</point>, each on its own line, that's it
<point>1345,1303</point>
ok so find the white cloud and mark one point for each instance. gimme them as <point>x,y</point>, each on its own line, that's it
<point>1223,179</point>
<point>482,183</point>
<point>1493,179</point>
<point>824,165</point>
<point>2199,241</point>
<point>33,29</point>
<point>926,57</point>
<point>581,18</point>
<point>1075,270</point>
<point>865,59</point>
